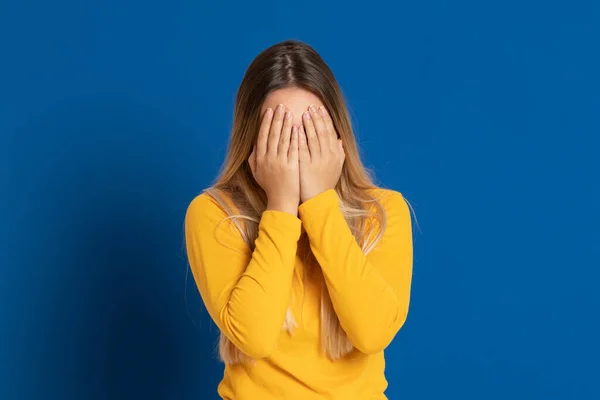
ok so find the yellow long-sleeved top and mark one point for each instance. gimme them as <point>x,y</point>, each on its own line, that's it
<point>247,294</point>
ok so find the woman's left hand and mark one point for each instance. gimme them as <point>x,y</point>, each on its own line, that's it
<point>321,154</point>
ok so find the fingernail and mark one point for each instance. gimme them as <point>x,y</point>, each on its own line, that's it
<point>323,110</point>
<point>288,115</point>
<point>313,108</point>
<point>280,109</point>
<point>307,115</point>
<point>269,112</point>
<point>294,130</point>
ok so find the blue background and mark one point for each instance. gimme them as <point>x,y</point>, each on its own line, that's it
<point>114,115</point>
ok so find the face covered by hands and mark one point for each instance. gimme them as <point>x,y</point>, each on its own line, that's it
<point>308,133</point>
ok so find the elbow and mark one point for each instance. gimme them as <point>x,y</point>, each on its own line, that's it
<point>255,340</point>
<point>371,343</point>
<point>254,343</point>
<point>373,338</point>
<point>232,350</point>
<point>258,348</point>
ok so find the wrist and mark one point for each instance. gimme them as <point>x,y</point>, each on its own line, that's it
<point>310,194</point>
<point>283,206</point>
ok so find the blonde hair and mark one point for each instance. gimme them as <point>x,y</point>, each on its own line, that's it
<point>294,64</point>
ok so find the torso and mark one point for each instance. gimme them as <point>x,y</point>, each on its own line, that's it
<point>298,369</point>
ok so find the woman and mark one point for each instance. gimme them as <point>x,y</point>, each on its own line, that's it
<point>302,262</point>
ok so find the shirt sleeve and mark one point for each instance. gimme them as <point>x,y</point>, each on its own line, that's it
<point>246,292</point>
<point>370,293</point>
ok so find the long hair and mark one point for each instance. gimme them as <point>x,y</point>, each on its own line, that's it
<point>294,64</point>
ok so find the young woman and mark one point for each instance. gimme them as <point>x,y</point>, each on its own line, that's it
<point>302,262</point>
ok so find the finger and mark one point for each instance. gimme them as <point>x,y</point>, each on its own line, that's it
<point>286,132</point>
<point>320,128</point>
<point>303,153</point>
<point>293,150</point>
<point>275,131</point>
<point>330,128</point>
<point>263,133</point>
<point>311,136</point>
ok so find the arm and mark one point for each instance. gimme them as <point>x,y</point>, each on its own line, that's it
<point>370,294</point>
<point>245,292</point>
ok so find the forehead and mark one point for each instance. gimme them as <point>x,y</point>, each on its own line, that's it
<point>294,99</point>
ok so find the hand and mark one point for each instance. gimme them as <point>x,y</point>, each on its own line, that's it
<point>321,154</point>
<point>274,161</point>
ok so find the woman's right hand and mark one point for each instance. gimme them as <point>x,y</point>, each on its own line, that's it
<point>274,160</point>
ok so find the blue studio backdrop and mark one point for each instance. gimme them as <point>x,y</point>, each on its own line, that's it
<point>114,115</point>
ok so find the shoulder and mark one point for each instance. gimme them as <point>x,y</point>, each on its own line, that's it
<point>390,200</point>
<point>204,207</point>
<point>397,211</point>
<point>202,203</point>
<point>396,208</point>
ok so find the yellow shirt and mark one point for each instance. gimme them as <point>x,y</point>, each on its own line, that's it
<point>248,293</point>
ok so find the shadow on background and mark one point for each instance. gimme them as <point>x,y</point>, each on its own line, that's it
<point>107,314</point>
